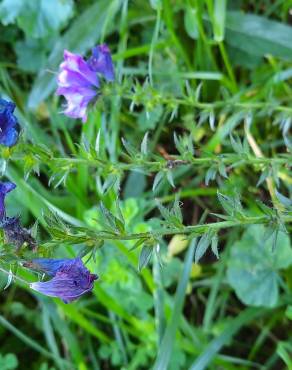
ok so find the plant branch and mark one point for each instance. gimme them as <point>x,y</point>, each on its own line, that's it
<point>185,230</point>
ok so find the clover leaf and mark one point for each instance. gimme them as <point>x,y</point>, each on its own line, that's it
<point>253,266</point>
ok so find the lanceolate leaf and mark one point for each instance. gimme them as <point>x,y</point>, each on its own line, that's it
<point>202,246</point>
<point>214,245</point>
<point>284,200</point>
<point>253,34</point>
<point>258,35</point>
<point>145,255</point>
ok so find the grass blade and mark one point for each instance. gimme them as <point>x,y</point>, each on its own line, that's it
<point>167,344</point>
<point>30,342</point>
<point>216,344</point>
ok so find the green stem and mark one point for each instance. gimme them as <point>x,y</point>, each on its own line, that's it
<point>217,104</point>
<point>153,43</point>
<point>140,162</point>
<point>186,230</point>
<point>228,66</point>
<point>168,18</point>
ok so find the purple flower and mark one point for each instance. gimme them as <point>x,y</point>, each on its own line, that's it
<point>71,278</point>
<point>101,62</point>
<point>9,127</point>
<point>78,81</point>
<point>48,265</point>
<point>14,233</point>
<point>5,187</point>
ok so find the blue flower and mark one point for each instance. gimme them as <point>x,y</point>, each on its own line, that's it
<point>14,233</point>
<point>5,187</point>
<point>9,127</point>
<point>71,278</point>
<point>48,265</point>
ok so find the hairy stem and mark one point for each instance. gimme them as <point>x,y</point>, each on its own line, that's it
<point>187,230</point>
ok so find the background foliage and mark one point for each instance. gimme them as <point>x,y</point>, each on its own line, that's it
<point>177,191</point>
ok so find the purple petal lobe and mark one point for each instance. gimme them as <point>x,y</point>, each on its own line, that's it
<point>9,127</point>
<point>5,187</point>
<point>78,84</point>
<point>16,234</point>
<point>49,265</point>
<point>101,62</point>
<point>71,278</point>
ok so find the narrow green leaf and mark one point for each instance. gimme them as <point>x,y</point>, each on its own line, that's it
<point>50,336</point>
<point>158,296</point>
<point>219,19</point>
<point>167,344</point>
<point>157,180</point>
<point>258,35</point>
<point>169,177</point>
<point>214,347</point>
<point>30,342</point>
<point>210,175</point>
<point>263,176</point>
<point>287,202</point>
<point>202,246</point>
<point>144,257</point>
<point>144,144</point>
<point>214,245</point>
<point>73,313</point>
<point>9,279</point>
<point>137,244</point>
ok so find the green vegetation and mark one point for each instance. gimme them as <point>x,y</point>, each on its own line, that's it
<point>176,191</point>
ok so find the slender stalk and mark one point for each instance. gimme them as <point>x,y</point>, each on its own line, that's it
<point>140,162</point>
<point>153,43</point>
<point>228,65</point>
<point>217,104</point>
<point>269,180</point>
<point>8,273</point>
<point>187,230</point>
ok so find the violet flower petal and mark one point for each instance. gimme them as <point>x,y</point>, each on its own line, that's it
<point>101,62</point>
<point>5,187</point>
<point>9,127</point>
<point>71,278</point>
<point>49,265</point>
<point>75,63</point>
<point>78,84</point>
<point>16,234</point>
<point>65,287</point>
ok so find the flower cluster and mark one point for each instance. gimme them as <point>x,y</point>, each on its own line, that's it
<point>14,233</point>
<point>78,79</point>
<point>70,279</point>
<point>79,82</point>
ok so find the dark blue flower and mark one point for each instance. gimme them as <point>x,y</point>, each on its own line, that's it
<point>101,62</point>
<point>5,187</point>
<point>49,265</point>
<point>14,233</point>
<point>71,278</point>
<point>9,127</point>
